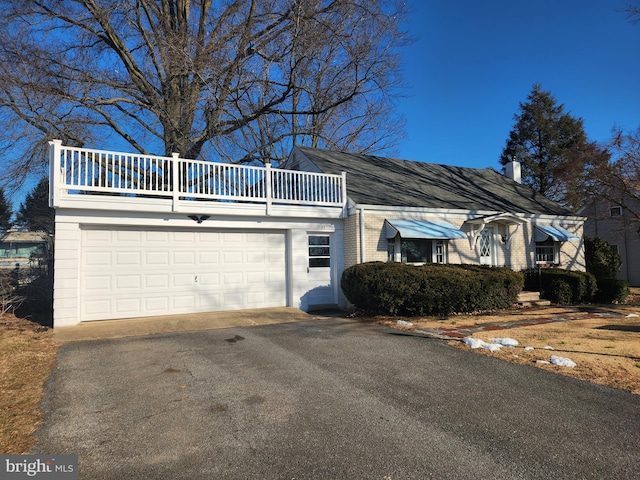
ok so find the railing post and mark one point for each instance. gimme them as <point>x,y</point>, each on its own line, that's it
<point>343,189</point>
<point>55,180</point>
<point>269,180</point>
<point>175,179</point>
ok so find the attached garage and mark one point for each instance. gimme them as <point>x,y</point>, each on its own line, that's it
<point>135,272</point>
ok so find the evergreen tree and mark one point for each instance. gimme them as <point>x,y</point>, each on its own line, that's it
<point>35,213</point>
<point>5,212</point>
<point>551,146</point>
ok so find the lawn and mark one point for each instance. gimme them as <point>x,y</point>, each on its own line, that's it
<point>603,340</point>
<point>27,353</point>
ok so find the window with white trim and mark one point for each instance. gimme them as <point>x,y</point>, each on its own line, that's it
<point>319,251</point>
<point>547,252</point>
<point>417,250</point>
<point>615,211</point>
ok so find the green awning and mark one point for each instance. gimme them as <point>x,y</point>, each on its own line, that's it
<point>422,229</point>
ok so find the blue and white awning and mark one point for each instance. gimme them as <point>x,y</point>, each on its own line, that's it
<point>430,229</point>
<point>556,233</point>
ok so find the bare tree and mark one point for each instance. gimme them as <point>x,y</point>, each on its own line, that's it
<point>615,177</point>
<point>236,80</point>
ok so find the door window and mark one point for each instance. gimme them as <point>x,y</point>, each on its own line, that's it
<point>319,251</point>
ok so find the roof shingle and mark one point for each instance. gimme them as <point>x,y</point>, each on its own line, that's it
<point>385,181</point>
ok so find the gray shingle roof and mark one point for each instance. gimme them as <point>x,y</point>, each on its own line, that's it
<point>384,181</point>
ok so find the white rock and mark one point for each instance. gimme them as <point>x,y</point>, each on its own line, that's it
<point>402,322</point>
<point>547,347</point>
<point>477,343</point>
<point>562,361</point>
<point>529,348</point>
<point>543,362</point>
<point>506,342</point>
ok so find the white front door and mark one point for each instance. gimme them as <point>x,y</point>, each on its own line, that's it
<point>486,246</point>
<point>319,272</point>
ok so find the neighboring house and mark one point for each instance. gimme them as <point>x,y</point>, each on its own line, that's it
<point>139,235</point>
<point>21,248</point>
<point>620,228</point>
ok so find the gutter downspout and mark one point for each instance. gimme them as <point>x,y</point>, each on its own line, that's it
<point>362,254</point>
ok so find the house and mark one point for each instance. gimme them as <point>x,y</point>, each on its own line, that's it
<point>419,212</point>
<point>618,226</point>
<point>141,235</point>
<point>21,248</point>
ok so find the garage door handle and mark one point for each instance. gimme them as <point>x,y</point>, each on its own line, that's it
<point>196,278</point>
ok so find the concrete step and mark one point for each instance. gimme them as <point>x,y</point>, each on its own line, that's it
<point>528,296</point>
<point>531,299</point>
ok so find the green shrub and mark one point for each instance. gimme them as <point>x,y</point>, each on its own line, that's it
<point>611,290</point>
<point>561,286</point>
<point>399,289</point>
<point>601,259</point>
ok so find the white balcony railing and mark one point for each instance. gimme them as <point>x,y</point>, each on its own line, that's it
<point>81,170</point>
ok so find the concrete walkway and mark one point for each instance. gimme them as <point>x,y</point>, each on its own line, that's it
<point>134,327</point>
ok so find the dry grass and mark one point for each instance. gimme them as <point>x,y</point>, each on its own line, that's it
<point>27,353</point>
<point>605,348</point>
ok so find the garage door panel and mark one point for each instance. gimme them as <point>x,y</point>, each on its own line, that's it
<point>156,305</point>
<point>128,258</point>
<point>158,280</point>
<point>128,236</point>
<point>156,237</point>
<point>140,273</point>
<point>208,258</point>
<point>183,280</point>
<point>156,258</point>
<point>98,258</point>
<point>209,280</point>
<point>127,282</point>
<point>127,305</point>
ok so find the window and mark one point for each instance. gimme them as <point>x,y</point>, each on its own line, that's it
<point>319,251</point>
<point>615,211</point>
<point>440,252</point>
<point>391,250</point>
<point>417,250</point>
<point>547,251</point>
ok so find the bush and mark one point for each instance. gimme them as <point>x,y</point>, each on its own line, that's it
<point>601,259</point>
<point>611,290</point>
<point>398,289</point>
<point>561,286</point>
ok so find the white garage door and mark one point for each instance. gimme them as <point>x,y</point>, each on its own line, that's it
<point>137,273</point>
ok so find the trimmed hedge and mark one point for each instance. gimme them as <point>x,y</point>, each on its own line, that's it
<point>611,290</point>
<point>564,287</point>
<point>398,289</point>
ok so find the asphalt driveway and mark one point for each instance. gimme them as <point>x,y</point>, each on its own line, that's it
<point>330,398</point>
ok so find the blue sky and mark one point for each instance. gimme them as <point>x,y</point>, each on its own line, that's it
<point>475,61</point>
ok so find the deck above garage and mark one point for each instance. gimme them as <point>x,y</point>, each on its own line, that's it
<point>103,180</point>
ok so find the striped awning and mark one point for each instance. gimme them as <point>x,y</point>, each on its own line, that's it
<point>558,234</point>
<point>439,230</point>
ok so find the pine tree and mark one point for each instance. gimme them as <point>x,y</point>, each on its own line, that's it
<point>551,146</point>
<point>5,212</point>
<point>35,213</point>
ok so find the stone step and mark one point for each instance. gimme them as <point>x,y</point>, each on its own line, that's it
<point>531,299</point>
<point>535,303</point>
<point>528,296</point>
